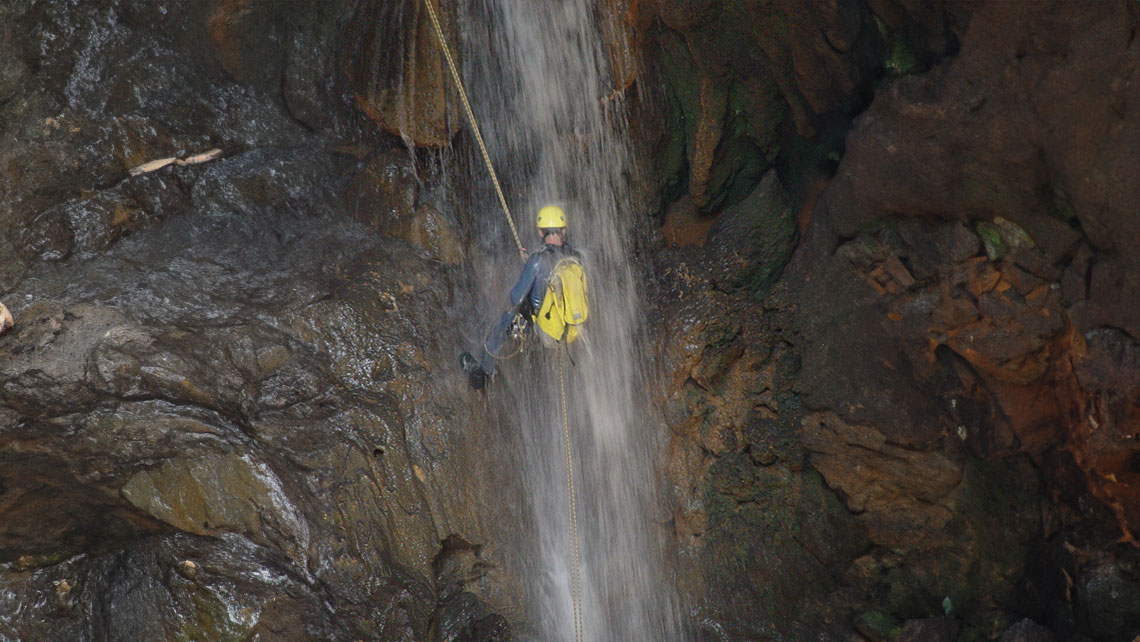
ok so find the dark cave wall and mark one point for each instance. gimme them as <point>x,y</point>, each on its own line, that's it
<point>944,347</point>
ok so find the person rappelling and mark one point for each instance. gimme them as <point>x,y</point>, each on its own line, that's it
<point>552,282</point>
<point>551,292</point>
<point>550,295</point>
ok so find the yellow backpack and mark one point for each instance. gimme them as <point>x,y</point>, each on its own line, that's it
<point>565,305</point>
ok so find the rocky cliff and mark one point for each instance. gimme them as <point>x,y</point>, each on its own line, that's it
<point>926,427</point>
<point>225,409</point>
<point>888,266</point>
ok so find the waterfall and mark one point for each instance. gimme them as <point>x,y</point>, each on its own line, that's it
<point>538,77</point>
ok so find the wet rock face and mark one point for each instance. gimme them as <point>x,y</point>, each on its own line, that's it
<point>1015,335</point>
<point>158,588</point>
<point>939,379</point>
<point>399,72</point>
<point>99,88</point>
<point>740,77</point>
<point>214,383</point>
<point>221,413</point>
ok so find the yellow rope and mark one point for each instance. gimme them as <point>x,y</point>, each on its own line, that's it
<point>575,573</point>
<point>474,125</point>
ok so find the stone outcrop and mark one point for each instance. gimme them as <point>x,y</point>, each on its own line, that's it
<point>398,73</point>
<point>220,414</point>
<point>736,75</point>
<point>949,348</point>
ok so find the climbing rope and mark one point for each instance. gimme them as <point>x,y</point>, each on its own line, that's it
<point>474,125</point>
<point>575,573</point>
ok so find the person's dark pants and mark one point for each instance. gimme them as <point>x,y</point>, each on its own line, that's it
<point>496,337</point>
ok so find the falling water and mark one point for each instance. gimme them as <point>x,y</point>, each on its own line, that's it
<point>538,76</point>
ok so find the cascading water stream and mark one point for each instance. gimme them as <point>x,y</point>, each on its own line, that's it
<point>538,75</point>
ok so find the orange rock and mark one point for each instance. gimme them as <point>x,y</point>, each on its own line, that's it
<point>981,276</point>
<point>617,18</point>
<point>683,225</point>
<point>220,25</point>
<point>416,100</point>
<point>702,148</point>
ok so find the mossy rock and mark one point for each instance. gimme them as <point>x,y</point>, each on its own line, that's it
<point>683,94</point>
<point>1063,204</point>
<point>996,510</point>
<point>1109,592</point>
<point>753,549</point>
<point>877,625</point>
<point>901,58</point>
<point>752,118</point>
<point>753,240</point>
<point>1002,235</point>
<point>742,156</point>
<point>737,168</point>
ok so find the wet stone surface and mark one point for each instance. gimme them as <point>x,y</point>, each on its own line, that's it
<point>231,375</point>
<point>221,413</point>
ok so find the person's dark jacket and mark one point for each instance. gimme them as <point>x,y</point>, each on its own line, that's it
<point>532,282</point>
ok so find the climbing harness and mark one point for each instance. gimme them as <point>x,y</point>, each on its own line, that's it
<point>516,338</point>
<point>474,125</point>
<point>575,572</point>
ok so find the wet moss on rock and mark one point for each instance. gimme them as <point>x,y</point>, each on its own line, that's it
<point>1001,235</point>
<point>901,58</point>
<point>753,240</point>
<point>877,625</point>
<point>212,619</point>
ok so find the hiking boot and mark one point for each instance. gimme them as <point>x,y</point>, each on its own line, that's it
<point>475,374</point>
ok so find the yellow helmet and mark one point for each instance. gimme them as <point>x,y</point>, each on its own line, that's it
<point>551,216</point>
